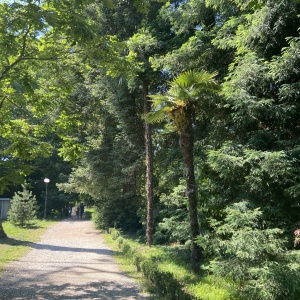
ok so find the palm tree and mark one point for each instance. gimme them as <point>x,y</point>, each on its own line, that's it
<point>186,96</point>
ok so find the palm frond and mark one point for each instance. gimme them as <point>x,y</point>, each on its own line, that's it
<point>201,80</point>
<point>155,116</point>
<point>186,89</point>
<point>157,100</point>
<point>169,99</point>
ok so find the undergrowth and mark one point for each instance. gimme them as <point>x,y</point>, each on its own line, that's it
<point>167,269</point>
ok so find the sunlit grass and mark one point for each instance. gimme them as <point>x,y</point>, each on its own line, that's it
<point>212,288</point>
<point>173,260</point>
<point>19,239</point>
<point>126,265</point>
<point>88,212</point>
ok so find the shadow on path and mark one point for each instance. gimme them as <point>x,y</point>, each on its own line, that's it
<point>93,290</point>
<point>40,246</point>
<point>62,266</point>
<point>70,249</point>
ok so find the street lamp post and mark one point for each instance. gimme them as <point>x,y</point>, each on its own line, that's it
<point>46,180</point>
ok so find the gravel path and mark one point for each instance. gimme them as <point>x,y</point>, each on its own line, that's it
<point>70,262</point>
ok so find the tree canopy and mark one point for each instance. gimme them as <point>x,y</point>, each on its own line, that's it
<point>77,79</point>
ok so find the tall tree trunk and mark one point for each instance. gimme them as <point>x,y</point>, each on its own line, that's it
<point>2,232</point>
<point>149,168</point>
<point>187,144</point>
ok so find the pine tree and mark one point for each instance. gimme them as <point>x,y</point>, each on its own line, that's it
<point>23,208</point>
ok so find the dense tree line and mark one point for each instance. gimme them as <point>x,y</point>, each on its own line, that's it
<point>108,97</point>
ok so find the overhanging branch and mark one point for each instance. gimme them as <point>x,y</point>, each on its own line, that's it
<point>2,101</point>
<point>20,57</point>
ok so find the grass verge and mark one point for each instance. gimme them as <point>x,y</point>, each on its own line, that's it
<point>126,265</point>
<point>89,212</point>
<point>166,270</point>
<point>19,239</point>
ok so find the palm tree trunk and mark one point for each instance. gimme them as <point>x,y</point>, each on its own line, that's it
<point>187,144</point>
<point>149,169</point>
<point>2,232</point>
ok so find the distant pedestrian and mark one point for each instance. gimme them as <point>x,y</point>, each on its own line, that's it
<point>81,209</point>
<point>66,212</point>
<point>73,212</point>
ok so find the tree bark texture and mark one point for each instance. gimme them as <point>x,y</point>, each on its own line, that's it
<point>149,168</point>
<point>187,144</point>
<point>2,232</point>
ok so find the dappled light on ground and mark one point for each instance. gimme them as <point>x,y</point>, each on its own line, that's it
<point>70,262</point>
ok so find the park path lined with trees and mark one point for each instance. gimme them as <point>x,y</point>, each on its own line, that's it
<point>216,180</point>
<point>70,262</point>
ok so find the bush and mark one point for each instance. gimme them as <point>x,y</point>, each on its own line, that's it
<point>171,280</point>
<point>108,214</point>
<point>115,233</point>
<point>23,208</point>
<point>174,226</point>
<point>253,257</point>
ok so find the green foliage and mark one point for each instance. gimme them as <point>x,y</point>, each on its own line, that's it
<point>188,90</point>
<point>104,139</point>
<point>75,69</point>
<point>260,26</point>
<point>35,37</point>
<point>23,208</point>
<point>12,172</point>
<point>174,226</point>
<point>253,256</point>
<point>212,288</point>
<point>166,269</point>
<point>164,281</point>
<point>23,140</point>
<point>257,175</point>
<point>109,213</point>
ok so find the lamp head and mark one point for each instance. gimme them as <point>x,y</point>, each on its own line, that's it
<point>46,180</point>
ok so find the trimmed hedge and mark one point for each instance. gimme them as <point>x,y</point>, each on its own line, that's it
<point>166,284</point>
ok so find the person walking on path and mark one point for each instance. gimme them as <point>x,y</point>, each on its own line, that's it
<point>73,211</point>
<point>81,210</point>
<point>70,262</point>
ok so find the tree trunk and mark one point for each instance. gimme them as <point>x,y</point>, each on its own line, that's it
<point>187,144</point>
<point>2,233</point>
<point>149,168</point>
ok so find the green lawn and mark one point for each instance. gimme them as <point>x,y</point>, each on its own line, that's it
<point>167,269</point>
<point>18,241</point>
<point>126,265</point>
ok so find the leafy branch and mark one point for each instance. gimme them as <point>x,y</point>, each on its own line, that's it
<point>20,58</point>
<point>23,56</point>
<point>2,101</point>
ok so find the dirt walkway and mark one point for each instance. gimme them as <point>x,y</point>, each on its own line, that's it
<point>70,262</point>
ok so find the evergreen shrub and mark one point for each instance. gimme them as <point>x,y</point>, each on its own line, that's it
<point>165,282</point>
<point>23,208</point>
<point>120,241</point>
<point>174,226</point>
<point>114,233</point>
<point>108,213</point>
<point>252,256</point>
<point>169,281</point>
